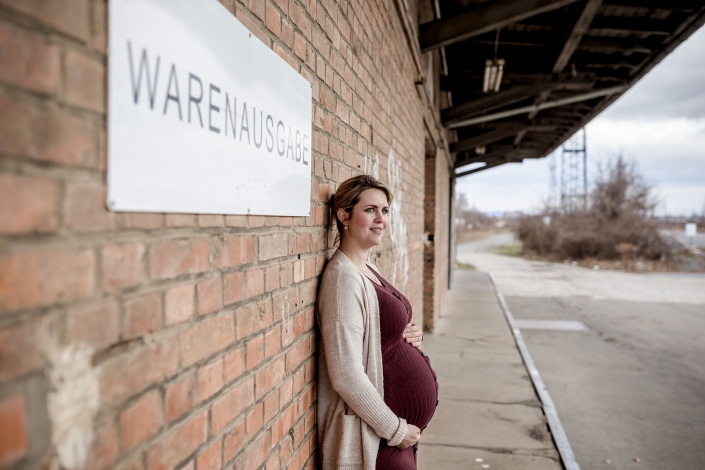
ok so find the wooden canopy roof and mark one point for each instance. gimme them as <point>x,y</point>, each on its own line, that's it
<point>565,62</point>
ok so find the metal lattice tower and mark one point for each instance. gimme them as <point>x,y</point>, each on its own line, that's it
<point>553,195</point>
<point>574,173</point>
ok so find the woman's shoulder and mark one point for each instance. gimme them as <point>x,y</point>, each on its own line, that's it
<point>340,270</point>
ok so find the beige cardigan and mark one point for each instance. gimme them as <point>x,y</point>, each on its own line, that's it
<point>352,415</point>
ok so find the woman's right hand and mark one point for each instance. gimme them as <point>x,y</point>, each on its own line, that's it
<point>412,436</point>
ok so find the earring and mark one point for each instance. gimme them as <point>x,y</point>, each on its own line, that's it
<point>345,227</point>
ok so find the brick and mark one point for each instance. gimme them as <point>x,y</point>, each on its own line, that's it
<point>42,278</point>
<point>253,421</point>
<point>236,221</point>
<point>249,245</point>
<point>210,380</point>
<point>179,444</point>
<point>234,287</point>
<point>29,60</point>
<point>122,265</point>
<point>85,209</point>
<point>255,221</point>
<point>206,338</point>
<point>28,205</point>
<point>271,278</point>
<point>254,280</point>
<point>272,246</point>
<point>255,453</point>
<point>57,137</point>
<point>231,252</point>
<point>284,423</point>
<point>299,270</point>
<point>20,351</point>
<point>95,325</point>
<point>285,274</point>
<point>85,82</point>
<point>67,16</point>
<point>140,421</point>
<point>211,220</point>
<point>299,46</point>
<point>172,258</point>
<point>231,404</point>
<point>286,392</point>
<point>180,397</point>
<point>310,270</point>
<point>178,304</point>
<point>273,462</point>
<point>99,20</point>
<point>13,432</point>
<point>252,318</point>
<point>255,352</point>
<point>233,365</point>
<point>104,450</point>
<point>234,441</point>
<point>211,458</point>
<point>271,407</point>
<point>180,220</point>
<point>272,342</point>
<point>268,378</point>
<point>125,375</point>
<point>142,315</point>
<point>142,220</point>
<point>285,303</point>
<point>288,37</point>
<point>210,295</point>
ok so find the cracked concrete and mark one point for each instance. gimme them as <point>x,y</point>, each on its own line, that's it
<point>488,408</point>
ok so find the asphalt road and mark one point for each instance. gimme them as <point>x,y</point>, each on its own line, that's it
<point>633,385</point>
<point>698,241</point>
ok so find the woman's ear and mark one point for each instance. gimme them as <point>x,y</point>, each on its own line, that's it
<point>342,215</point>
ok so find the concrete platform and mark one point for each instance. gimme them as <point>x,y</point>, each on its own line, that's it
<point>488,415</point>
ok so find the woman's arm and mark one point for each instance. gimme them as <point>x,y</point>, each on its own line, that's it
<point>341,314</point>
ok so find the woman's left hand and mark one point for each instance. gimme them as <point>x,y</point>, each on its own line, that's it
<point>413,335</point>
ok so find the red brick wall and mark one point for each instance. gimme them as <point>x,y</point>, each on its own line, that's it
<point>160,341</point>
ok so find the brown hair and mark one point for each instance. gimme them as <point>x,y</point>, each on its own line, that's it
<point>348,194</point>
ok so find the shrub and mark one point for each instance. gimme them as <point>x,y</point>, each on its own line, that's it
<point>619,214</point>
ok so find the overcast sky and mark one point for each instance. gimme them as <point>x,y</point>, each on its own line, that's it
<point>660,123</point>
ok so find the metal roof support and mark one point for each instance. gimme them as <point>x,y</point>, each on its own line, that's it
<point>538,107</point>
<point>481,19</point>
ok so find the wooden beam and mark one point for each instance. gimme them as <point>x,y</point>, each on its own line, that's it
<point>623,45</point>
<point>621,25</point>
<point>677,5</point>
<point>451,81</point>
<point>452,116</point>
<point>488,157</point>
<point>482,18</point>
<point>493,164</point>
<point>487,103</point>
<point>579,29</point>
<point>486,138</point>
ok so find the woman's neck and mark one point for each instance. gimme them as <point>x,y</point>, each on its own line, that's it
<point>354,252</point>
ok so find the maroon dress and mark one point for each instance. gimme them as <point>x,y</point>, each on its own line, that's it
<point>410,386</point>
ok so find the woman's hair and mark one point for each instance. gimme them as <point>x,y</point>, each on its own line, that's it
<point>348,194</point>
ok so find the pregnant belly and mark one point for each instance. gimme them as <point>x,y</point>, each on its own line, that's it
<point>410,386</point>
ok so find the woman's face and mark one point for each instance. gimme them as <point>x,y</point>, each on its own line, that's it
<point>368,219</point>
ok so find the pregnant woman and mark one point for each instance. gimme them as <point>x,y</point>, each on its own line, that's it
<point>376,389</point>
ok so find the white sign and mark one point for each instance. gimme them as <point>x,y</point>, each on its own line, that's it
<point>203,117</point>
<point>691,230</point>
